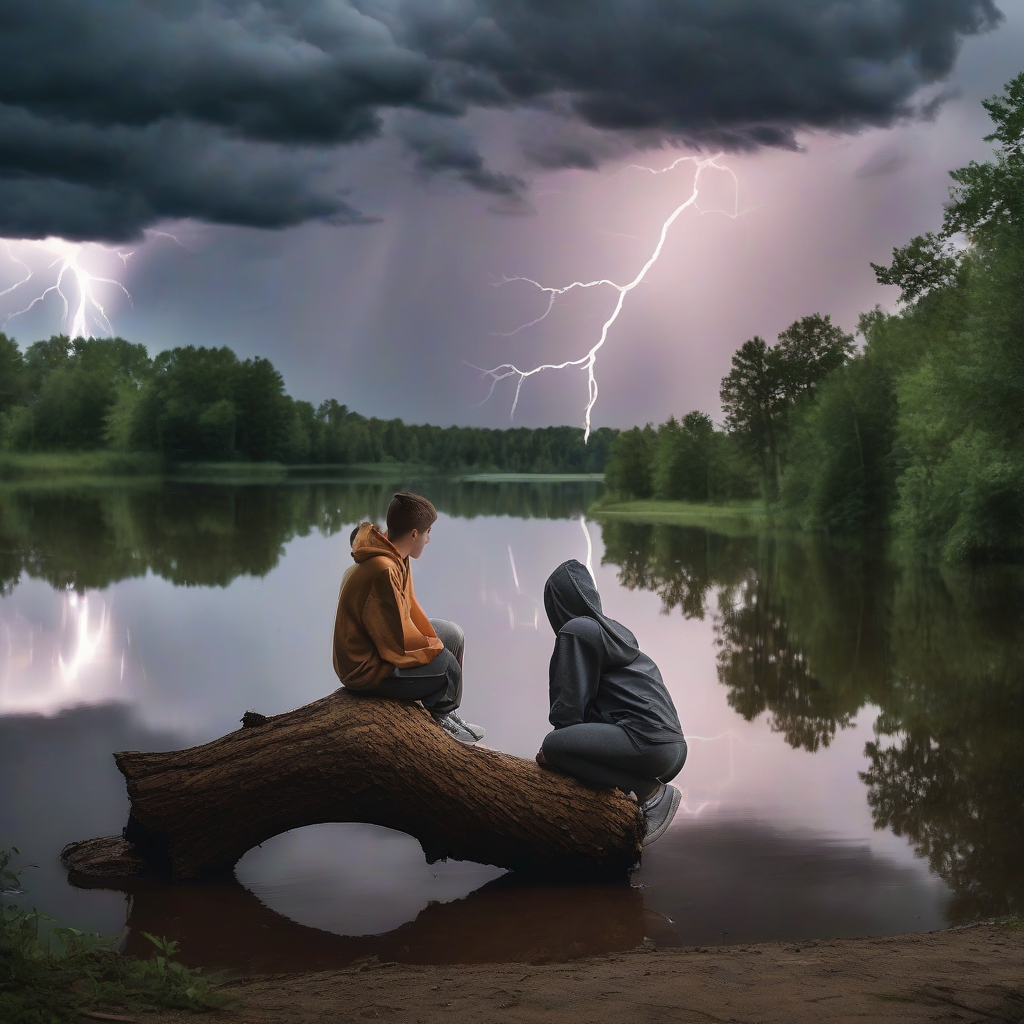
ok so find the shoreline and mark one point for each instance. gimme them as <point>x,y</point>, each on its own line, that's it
<point>525,478</point>
<point>59,468</point>
<point>745,516</point>
<point>976,970</point>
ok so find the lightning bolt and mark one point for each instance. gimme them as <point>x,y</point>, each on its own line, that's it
<point>88,311</point>
<point>505,370</point>
<point>590,548</point>
<point>24,266</point>
<point>512,619</point>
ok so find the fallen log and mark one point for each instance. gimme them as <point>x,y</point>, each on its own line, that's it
<point>195,812</point>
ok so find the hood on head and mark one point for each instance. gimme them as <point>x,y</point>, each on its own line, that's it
<point>569,593</point>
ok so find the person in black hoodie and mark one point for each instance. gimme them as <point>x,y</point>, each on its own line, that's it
<point>614,722</point>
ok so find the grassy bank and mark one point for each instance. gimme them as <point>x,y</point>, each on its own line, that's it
<point>50,465</point>
<point>747,514</point>
<point>62,466</point>
<point>529,478</point>
<point>52,975</point>
<point>53,467</point>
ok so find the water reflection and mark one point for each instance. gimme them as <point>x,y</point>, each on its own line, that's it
<point>524,610</point>
<point>845,708</point>
<point>504,921</point>
<point>386,880</point>
<point>811,633</point>
<point>49,669</point>
<point>721,878</point>
<point>209,534</point>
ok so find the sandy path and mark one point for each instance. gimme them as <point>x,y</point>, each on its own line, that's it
<point>966,975</point>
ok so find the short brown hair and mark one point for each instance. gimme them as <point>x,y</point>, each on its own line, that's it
<point>408,512</point>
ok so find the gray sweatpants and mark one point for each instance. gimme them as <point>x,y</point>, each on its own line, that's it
<point>604,755</point>
<point>436,685</point>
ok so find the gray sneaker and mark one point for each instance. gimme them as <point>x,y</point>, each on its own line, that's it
<point>477,730</point>
<point>659,810</point>
<point>454,728</point>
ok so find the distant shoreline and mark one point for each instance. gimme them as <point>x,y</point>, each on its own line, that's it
<point>514,478</point>
<point>681,513</point>
<point>53,467</point>
<point>104,468</point>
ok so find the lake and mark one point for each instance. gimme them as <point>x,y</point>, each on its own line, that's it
<point>855,718</point>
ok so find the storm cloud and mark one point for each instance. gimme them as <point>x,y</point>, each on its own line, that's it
<point>116,114</point>
<point>443,147</point>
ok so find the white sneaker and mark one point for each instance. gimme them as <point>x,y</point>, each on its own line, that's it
<point>477,730</point>
<point>454,728</point>
<point>659,810</point>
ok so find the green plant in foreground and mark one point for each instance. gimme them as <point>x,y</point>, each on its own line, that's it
<point>50,977</point>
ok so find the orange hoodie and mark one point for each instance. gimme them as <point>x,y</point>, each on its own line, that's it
<point>380,624</point>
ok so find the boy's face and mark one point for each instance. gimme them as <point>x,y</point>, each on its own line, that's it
<point>420,541</point>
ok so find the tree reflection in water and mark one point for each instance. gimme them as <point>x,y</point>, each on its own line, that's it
<point>947,770</point>
<point>810,632</point>
<point>209,534</point>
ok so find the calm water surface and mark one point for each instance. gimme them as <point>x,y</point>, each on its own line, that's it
<point>855,721</point>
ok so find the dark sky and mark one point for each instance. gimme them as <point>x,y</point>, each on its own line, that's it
<point>347,182</point>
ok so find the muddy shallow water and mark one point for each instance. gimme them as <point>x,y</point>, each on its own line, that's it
<point>855,718</point>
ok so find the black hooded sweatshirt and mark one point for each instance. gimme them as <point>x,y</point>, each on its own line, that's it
<point>597,672</point>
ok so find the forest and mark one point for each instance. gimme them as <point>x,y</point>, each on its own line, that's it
<point>919,429</point>
<point>692,460</point>
<point>193,404</point>
<point>915,428</point>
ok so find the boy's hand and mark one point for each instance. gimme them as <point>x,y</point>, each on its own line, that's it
<point>541,760</point>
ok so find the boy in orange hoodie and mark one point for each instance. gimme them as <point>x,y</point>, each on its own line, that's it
<point>384,644</point>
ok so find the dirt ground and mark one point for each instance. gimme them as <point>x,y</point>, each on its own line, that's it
<point>962,975</point>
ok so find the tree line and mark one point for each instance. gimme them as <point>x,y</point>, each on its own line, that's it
<point>920,428</point>
<point>764,395</point>
<point>194,404</point>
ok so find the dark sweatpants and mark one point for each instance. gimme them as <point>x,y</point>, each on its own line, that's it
<point>438,684</point>
<point>604,755</point>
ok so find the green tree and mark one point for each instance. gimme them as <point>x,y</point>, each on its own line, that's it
<point>988,198</point>
<point>808,351</point>
<point>630,469</point>
<point>766,384</point>
<point>187,408</point>
<point>262,410</point>
<point>302,439</point>
<point>12,368</point>
<point>926,263</point>
<point>42,358</point>
<point>72,387</point>
<point>958,441</point>
<point>841,469</point>
<point>683,458</point>
<point>753,399</point>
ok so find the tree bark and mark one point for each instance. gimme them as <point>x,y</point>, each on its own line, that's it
<point>345,757</point>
